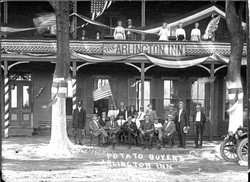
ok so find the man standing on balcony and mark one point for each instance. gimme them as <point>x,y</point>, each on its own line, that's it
<point>181,123</point>
<point>199,120</point>
<point>79,120</point>
<point>129,34</point>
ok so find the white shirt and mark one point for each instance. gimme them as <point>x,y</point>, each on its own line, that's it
<point>164,33</point>
<point>198,116</point>
<point>137,122</point>
<point>180,31</point>
<point>120,122</point>
<point>141,116</point>
<point>179,118</point>
<point>196,32</point>
<point>96,122</point>
<point>157,126</point>
<point>112,113</point>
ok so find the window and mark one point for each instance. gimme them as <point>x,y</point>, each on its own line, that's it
<point>197,94</point>
<point>102,82</point>
<point>146,94</point>
<point>170,92</point>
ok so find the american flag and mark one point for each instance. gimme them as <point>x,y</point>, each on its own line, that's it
<point>98,7</point>
<point>102,92</point>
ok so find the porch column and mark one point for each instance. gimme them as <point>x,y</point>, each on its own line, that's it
<point>142,82</point>
<point>74,86</point>
<point>143,17</point>
<point>6,100</point>
<point>211,102</point>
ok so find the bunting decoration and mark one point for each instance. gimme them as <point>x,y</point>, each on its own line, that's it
<point>167,62</point>
<point>98,7</point>
<point>211,28</point>
<point>6,104</point>
<point>40,91</point>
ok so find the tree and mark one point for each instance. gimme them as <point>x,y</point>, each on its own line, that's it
<point>60,145</point>
<point>234,84</point>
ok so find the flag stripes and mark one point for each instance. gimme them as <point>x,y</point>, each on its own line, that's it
<point>102,92</point>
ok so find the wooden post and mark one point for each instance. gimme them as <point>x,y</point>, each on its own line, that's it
<point>248,80</point>
<point>75,19</point>
<point>143,17</point>
<point>211,103</point>
<point>142,82</point>
<point>5,11</point>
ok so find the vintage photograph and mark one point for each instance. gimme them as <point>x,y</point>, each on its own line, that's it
<point>116,91</point>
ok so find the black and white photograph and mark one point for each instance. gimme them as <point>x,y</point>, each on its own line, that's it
<point>124,91</point>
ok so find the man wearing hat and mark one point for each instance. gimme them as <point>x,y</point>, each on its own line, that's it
<point>169,129</point>
<point>79,120</point>
<point>97,129</point>
<point>129,34</point>
<point>199,119</point>
<point>182,124</point>
<point>170,111</point>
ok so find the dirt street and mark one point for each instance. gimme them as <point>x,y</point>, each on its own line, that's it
<point>22,162</point>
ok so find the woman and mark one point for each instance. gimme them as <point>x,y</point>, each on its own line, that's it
<point>180,33</point>
<point>196,33</point>
<point>164,32</point>
<point>119,33</point>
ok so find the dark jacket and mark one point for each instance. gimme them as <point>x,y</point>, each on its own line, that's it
<point>103,122</point>
<point>184,121</point>
<point>131,128</point>
<point>79,118</point>
<point>130,35</point>
<point>203,119</point>
<point>98,112</point>
<point>131,113</point>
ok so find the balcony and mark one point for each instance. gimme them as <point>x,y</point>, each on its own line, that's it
<point>41,49</point>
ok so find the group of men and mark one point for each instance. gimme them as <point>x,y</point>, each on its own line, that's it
<point>141,127</point>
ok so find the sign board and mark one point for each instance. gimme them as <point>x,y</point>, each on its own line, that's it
<point>166,49</point>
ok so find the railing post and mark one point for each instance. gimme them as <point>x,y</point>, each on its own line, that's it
<point>211,102</point>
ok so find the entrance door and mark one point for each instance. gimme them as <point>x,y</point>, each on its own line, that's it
<point>20,103</point>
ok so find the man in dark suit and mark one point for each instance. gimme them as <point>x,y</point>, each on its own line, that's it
<point>181,121</point>
<point>79,120</point>
<point>98,112</point>
<point>130,130</point>
<point>112,129</point>
<point>103,120</point>
<point>129,34</point>
<point>199,120</point>
<point>132,111</point>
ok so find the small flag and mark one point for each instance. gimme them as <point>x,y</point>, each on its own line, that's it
<point>102,92</point>
<point>98,7</point>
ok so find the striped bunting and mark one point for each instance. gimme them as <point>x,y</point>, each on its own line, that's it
<point>102,92</point>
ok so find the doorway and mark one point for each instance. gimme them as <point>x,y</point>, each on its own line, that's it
<point>20,103</point>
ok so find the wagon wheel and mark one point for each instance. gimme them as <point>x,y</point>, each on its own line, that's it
<point>242,150</point>
<point>228,151</point>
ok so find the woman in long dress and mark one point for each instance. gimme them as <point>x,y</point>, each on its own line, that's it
<point>119,33</point>
<point>164,32</point>
<point>196,33</point>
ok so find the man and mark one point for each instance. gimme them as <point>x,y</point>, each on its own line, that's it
<point>141,114</point>
<point>129,34</point>
<point>120,122</point>
<point>112,129</point>
<point>170,111</point>
<point>112,111</point>
<point>180,33</point>
<point>147,131</point>
<point>130,130</point>
<point>132,111</point>
<point>103,120</point>
<point>169,129</point>
<point>158,132</point>
<point>151,113</point>
<point>97,112</point>
<point>199,120</point>
<point>97,129</point>
<point>181,121</point>
<point>79,120</point>
<point>122,111</point>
